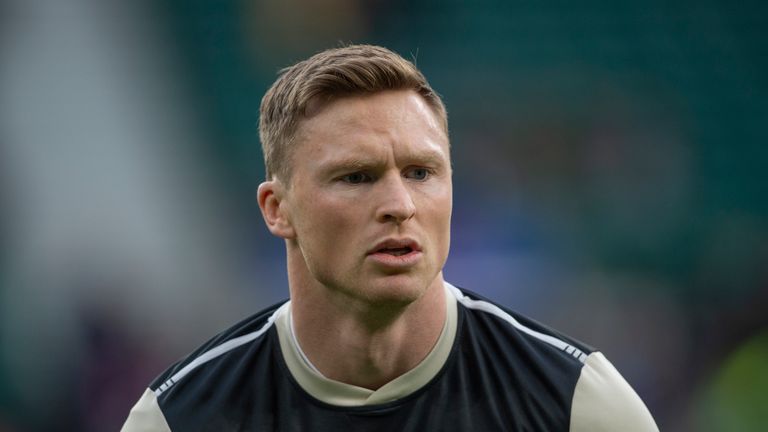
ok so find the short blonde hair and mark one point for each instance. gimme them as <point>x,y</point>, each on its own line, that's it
<point>326,76</point>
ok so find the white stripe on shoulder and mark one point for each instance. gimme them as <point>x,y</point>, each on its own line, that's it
<point>492,309</point>
<point>218,350</point>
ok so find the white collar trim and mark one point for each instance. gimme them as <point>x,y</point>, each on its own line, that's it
<point>342,394</point>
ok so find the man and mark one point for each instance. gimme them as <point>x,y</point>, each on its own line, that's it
<point>359,186</point>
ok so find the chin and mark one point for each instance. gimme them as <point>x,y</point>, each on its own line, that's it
<point>395,290</point>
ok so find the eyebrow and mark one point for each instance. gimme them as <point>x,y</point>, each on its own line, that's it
<point>349,164</point>
<point>428,157</point>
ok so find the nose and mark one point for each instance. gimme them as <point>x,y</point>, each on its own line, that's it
<point>396,201</point>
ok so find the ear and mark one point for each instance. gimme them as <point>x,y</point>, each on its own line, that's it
<point>274,209</point>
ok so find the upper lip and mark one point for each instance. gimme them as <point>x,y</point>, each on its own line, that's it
<point>396,243</point>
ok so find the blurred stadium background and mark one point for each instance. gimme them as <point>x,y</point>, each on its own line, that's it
<point>610,180</point>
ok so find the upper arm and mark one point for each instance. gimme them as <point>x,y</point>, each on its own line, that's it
<point>146,416</point>
<point>604,401</point>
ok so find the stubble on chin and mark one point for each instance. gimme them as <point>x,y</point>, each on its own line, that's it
<point>390,293</point>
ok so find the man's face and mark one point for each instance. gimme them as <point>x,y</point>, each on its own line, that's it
<point>371,195</point>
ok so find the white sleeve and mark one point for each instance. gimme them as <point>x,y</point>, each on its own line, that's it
<point>146,416</point>
<point>604,401</point>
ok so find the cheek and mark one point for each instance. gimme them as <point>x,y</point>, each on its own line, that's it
<point>325,224</point>
<point>441,220</point>
<point>329,240</point>
<point>440,204</point>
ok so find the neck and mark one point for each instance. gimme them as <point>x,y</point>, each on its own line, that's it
<point>361,343</point>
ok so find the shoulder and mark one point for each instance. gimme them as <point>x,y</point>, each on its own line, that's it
<point>604,401</point>
<point>527,333</point>
<point>202,369</point>
<point>245,334</point>
<point>534,368</point>
<point>554,368</point>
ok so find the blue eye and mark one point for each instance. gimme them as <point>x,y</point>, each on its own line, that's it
<point>356,178</point>
<point>417,174</point>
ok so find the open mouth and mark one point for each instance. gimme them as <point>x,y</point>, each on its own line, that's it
<point>396,251</point>
<point>403,247</point>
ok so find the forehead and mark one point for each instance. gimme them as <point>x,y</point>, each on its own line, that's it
<point>354,107</point>
<point>400,118</point>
